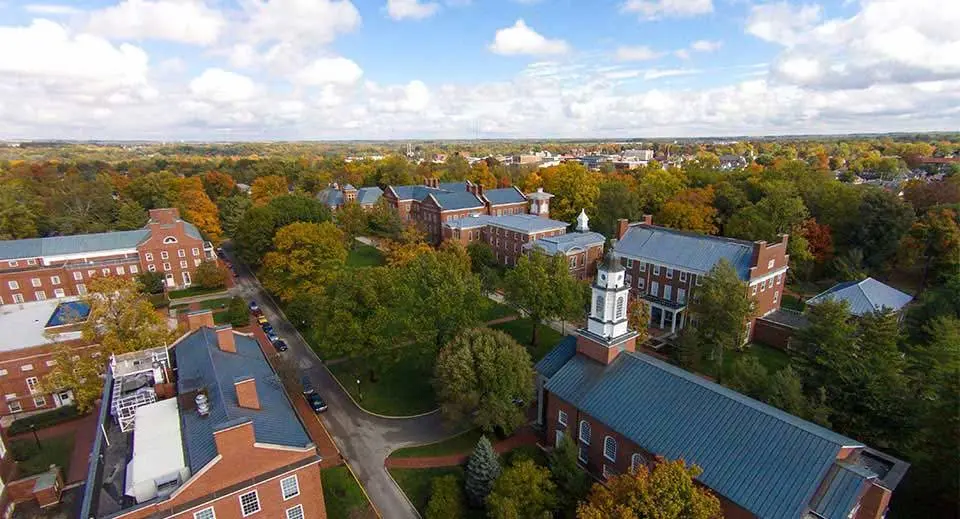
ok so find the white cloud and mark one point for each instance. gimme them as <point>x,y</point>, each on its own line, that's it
<point>329,71</point>
<point>413,97</point>
<point>652,9</point>
<point>782,22</point>
<point>637,53</point>
<point>299,22</point>
<point>51,9</point>
<point>654,73</point>
<point>184,21</point>
<point>682,53</point>
<point>522,39</point>
<point>706,45</point>
<point>216,85</point>
<point>412,9</point>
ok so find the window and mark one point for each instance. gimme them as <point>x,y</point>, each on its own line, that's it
<point>82,289</point>
<point>11,396</point>
<point>148,256</point>
<point>628,279</point>
<point>753,290</point>
<point>197,262</point>
<point>51,363</point>
<point>31,381</point>
<point>166,266</point>
<point>655,289</point>
<point>120,271</point>
<point>562,417</point>
<point>186,278</point>
<point>619,307</point>
<point>164,255</point>
<point>14,285</point>
<point>12,263</point>
<point>18,298</point>
<point>573,262</point>
<point>59,292</point>
<point>91,273</point>
<point>55,280</point>
<point>134,269</point>
<point>683,276</point>
<point>183,264</point>
<point>656,270</point>
<point>206,513</point>
<point>295,512</point>
<point>35,282</point>
<point>78,276</point>
<point>629,263</point>
<point>106,271</point>
<point>599,307</point>
<point>14,406</point>
<point>681,295</point>
<point>169,239</point>
<point>636,460</point>
<point>643,267</point>
<point>181,253</point>
<point>776,296</point>
<point>31,261</point>
<point>289,487</point>
<point>39,401</point>
<point>607,471</point>
<point>151,267</point>
<point>585,432</point>
<point>669,273</point>
<point>3,372</point>
<point>249,503</point>
<point>779,278</point>
<point>610,448</point>
<point>668,292</point>
<point>582,454</point>
<point>770,264</point>
<point>195,251</point>
<point>641,284</point>
<point>40,295</point>
<point>763,286</point>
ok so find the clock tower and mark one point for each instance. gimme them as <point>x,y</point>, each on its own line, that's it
<point>607,333</point>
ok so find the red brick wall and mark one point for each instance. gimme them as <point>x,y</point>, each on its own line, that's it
<point>517,208</point>
<point>15,379</point>
<point>772,334</point>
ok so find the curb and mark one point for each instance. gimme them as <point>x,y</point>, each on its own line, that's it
<point>461,433</point>
<point>402,493</point>
<point>364,490</point>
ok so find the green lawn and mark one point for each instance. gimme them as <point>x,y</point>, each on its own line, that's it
<point>461,443</point>
<point>494,310</point>
<point>158,300</point>
<point>402,389</point>
<point>193,291</point>
<point>52,451</point>
<point>792,302</point>
<point>417,483</point>
<point>363,255</point>
<point>220,303</point>
<point>343,496</point>
<point>522,331</point>
<point>221,318</point>
<point>771,358</point>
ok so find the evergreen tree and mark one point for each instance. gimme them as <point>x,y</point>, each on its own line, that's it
<point>483,469</point>
<point>572,482</point>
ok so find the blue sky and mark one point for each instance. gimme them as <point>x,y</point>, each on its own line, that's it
<point>332,69</point>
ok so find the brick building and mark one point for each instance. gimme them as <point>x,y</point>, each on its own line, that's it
<point>27,348</point>
<point>36,269</point>
<point>583,248</point>
<point>625,409</point>
<point>336,195</point>
<point>221,442</point>
<point>665,267</point>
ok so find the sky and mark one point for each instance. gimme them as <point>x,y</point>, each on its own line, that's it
<point>230,70</point>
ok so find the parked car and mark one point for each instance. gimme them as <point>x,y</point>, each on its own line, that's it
<point>220,252</point>
<point>272,337</point>
<point>267,328</point>
<point>280,345</point>
<point>254,306</point>
<point>262,319</point>
<point>315,401</point>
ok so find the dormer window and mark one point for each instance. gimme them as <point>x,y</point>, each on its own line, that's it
<point>169,239</point>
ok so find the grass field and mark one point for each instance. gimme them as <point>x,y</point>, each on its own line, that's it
<point>417,483</point>
<point>343,496</point>
<point>363,255</point>
<point>461,443</point>
<point>193,291</point>
<point>496,310</point>
<point>33,460</point>
<point>402,389</point>
<point>522,330</point>
<point>771,358</point>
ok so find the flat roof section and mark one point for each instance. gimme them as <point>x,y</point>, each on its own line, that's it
<point>25,325</point>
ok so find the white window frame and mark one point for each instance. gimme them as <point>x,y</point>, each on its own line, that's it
<point>643,267</point>
<point>39,401</point>
<point>59,292</point>
<point>654,289</point>
<point>763,286</point>
<point>771,263</point>
<point>562,417</point>
<point>779,278</point>
<point>197,262</point>
<point>584,428</point>
<point>54,280</point>
<point>134,269</point>
<point>13,285</point>
<point>36,283</point>
<point>296,487</point>
<point>606,472</point>
<point>164,255</point>
<point>151,268</point>
<point>656,270</point>
<point>121,271</point>
<point>32,382</point>
<point>296,515</point>
<point>195,251</point>
<point>18,299</point>
<point>105,271</point>
<point>40,295</point>
<point>206,513</point>
<point>683,276</point>
<point>31,261</point>
<point>610,444</point>
<point>181,253</point>
<point>668,292</point>
<point>14,406</point>
<point>12,263</point>
<point>148,256</point>
<point>183,264</point>
<point>776,296</point>
<point>681,295</point>
<point>169,239</point>
<point>167,267</point>
<point>583,454</point>
<point>78,276</point>
<point>256,498</point>
<point>81,289</point>
<point>641,284</point>
<point>629,263</point>
<point>628,279</point>
<point>669,273</point>
<point>636,461</point>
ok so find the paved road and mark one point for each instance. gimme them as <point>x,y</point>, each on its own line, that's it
<point>364,440</point>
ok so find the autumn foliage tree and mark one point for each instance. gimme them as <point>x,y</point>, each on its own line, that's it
<point>690,210</point>
<point>218,185</point>
<point>264,189</point>
<point>666,492</point>
<point>305,257</point>
<point>197,208</point>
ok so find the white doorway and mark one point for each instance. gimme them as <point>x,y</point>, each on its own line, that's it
<point>63,398</point>
<point>170,281</point>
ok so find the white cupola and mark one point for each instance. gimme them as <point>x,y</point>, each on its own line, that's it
<point>608,309</point>
<point>583,221</point>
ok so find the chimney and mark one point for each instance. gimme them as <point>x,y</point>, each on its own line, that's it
<point>199,318</point>
<point>246,388</point>
<point>622,225</point>
<point>164,216</point>
<point>647,219</point>
<point>225,340</point>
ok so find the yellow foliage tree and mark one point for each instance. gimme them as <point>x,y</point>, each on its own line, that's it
<point>264,189</point>
<point>197,208</point>
<point>305,257</point>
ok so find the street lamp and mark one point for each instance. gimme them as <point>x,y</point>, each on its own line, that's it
<point>33,429</point>
<point>360,393</point>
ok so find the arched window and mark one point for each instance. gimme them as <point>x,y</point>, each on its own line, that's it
<point>610,448</point>
<point>599,310</point>
<point>636,461</point>
<point>584,432</point>
<point>619,308</point>
<point>169,239</point>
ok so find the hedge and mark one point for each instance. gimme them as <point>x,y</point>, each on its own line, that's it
<point>43,420</point>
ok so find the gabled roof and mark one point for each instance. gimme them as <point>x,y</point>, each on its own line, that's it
<point>369,195</point>
<point>456,201</point>
<point>414,192</point>
<point>525,223</point>
<point>330,196</point>
<point>844,484</point>
<point>453,187</point>
<point>80,243</point>
<point>506,195</point>
<point>202,365</point>
<point>864,296</point>
<point>766,461</point>
<point>685,250</point>
<point>564,243</point>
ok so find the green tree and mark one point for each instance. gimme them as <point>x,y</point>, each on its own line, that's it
<point>883,221</point>
<point>934,239</point>
<point>483,263</point>
<point>305,257</point>
<point>572,482</point>
<point>722,308</point>
<point>749,377</point>
<point>352,220</point>
<point>150,282</point>
<point>666,492</point>
<point>479,375</point>
<point>232,208</point>
<point>617,199</point>
<point>444,296</point>
<point>238,313</point>
<point>656,186</point>
<point>483,469</point>
<point>18,216</point>
<point>446,499</point>
<point>385,221</point>
<point>210,275</point>
<point>130,216</point>
<point>523,491</point>
<point>254,236</point>
<point>786,392</point>
<point>542,286</point>
<point>574,187</point>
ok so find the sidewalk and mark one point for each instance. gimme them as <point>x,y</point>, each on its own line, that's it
<point>525,436</point>
<point>556,325</point>
<point>83,430</point>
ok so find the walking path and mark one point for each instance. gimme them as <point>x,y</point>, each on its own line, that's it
<point>560,326</point>
<point>525,436</point>
<point>83,431</point>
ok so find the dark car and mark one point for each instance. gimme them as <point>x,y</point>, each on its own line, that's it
<point>280,345</point>
<point>272,337</point>
<point>267,328</point>
<point>310,394</point>
<point>254,307</point>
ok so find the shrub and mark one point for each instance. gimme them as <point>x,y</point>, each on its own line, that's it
<point>152,282</point>
<point>237,313</point>
<point>446,499</point>
<point>43,420</point>
<point>210,275</point>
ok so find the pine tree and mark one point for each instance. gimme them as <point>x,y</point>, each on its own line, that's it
<point>483,469</point>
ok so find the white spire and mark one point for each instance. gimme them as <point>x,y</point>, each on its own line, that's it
<point>583,221</point>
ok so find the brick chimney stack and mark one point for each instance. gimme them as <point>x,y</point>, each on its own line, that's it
<point>165,216</point>
<point>246,388</point>
<point>647,219</point>
<point>622,225</point>
<point>198,319</point>
<point>225,339</point>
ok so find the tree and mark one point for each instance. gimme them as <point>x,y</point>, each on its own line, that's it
<point>523,491</point>
<point>130,216</point>
<point>384,220</point>
<point>542,286</point>
<point>218,185</point>
<point>352,220</point>
<point>408,246</point>
<point>638,319</point>
<point>785,392</point>
<point>483,263</point>
<point>749,377</point>
<point>232,208</point>
<point>197,208</point>
<point>80,373</point>
<point>722,309</point>
<point>883,221</point>
<point>572,482</point>
<point>305,257</point>
<point>446,499</point>
<point>480,375</point>
<point>18,218</point>
<point>150,282</point>
<point>238,313</point>
<point>936,239</point>
<point>264,189</point>
<point>483,469</point>
<point>690,210</point>
<point>657,185</point>
<point>444,297</point>
<point>209,274</point>
<point>575,188</point>
<point>666,492</point>
<point>617,199</point>
<point>255,234</point>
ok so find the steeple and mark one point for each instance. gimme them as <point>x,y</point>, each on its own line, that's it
<point>583,221</point>
<point>607,333</point>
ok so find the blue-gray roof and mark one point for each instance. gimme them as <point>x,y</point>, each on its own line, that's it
<point>558,356</point>
<point>684,250</point>
<point>844,484</point>
<point>865,296</point>
<point>333,197</point>
<point>506,195</point>
<point>192,230</point>
<point>525,223</point>
<point>455,201</point>
<point>80,243</point>
<point>564,243</point>
<point>414,192</point>
<point>330,196</point>
<point>453,186</point>
<point>369,195</point>
<point>767,461</point>
<point>201,364</point>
